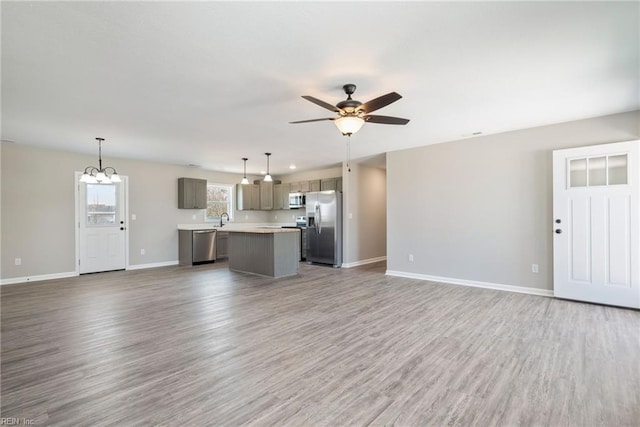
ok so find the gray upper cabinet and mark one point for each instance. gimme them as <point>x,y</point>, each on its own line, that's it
<point>316,185</point>
<point>331,184</point>
<point>248,197</point>
<point>192,193</point>
<point>280,196</point>
<point>266,194</point>
<point>304,186</point>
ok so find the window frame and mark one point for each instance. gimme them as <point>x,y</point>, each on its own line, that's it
<point>231,205</point>
<point>115,213</point>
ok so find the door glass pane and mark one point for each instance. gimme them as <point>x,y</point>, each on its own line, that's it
<point>618,169</point>
<point>597,171</point>
<point>101,204</point>
<point>578,173</point>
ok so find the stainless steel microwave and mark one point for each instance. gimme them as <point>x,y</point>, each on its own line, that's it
<point>296,200</point>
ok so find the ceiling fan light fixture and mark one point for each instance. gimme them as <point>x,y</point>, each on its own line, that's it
<point>349,125</point>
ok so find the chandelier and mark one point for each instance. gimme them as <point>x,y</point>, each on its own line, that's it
<point>105,175</point>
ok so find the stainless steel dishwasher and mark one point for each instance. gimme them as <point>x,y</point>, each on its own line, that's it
<point>197,246</point>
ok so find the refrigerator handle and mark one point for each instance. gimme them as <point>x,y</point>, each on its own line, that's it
<point>318,219</point>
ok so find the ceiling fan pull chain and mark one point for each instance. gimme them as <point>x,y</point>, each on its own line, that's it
<point>349,153</point>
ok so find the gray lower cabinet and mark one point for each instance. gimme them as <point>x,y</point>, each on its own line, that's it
<point>303,246</point>
<point>222,244</point>
<point>192,193</point>
<point>267,254</point>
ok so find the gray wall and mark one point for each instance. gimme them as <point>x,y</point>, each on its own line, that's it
<point>38,208</point>
<point>480,209</point>
<point>365,196</point>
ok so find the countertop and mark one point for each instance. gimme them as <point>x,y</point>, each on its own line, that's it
<point>231,226</point>
<point>264,230</point>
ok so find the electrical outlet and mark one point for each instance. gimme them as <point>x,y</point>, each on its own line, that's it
<point>534,268</point>
<point>246,217</point>
<point>142,252</point>
<point>193,216</point>
<point>293,217</point>
<point>18,261</point>
<point>410,257</point>
<point>276,217</point>
<point>350,215</point>
<point>133,217</point>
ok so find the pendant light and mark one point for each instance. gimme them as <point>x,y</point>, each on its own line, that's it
<point>102,175</point>
<point>244,181</point>
<point>267,177</point>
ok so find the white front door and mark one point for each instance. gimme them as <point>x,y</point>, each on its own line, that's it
<point>101,223</point>
<point>596,214</point>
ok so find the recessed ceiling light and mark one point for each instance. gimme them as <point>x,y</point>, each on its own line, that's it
<point>292,166</point>
<point>191,165</point>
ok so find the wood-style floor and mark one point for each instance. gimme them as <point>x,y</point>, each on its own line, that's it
<point>201,346</point>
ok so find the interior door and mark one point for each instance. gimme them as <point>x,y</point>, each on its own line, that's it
<point>101,223</point>
<point>596,193</point>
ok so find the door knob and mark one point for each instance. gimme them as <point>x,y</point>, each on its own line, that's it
<point>558,221</point>
<point>121,228</point>
<point>558,231</point>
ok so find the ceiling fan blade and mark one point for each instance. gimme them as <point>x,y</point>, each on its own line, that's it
<point>313,120</point>
<point>385,120</point>
<point>379,102</point>
<point>322,103</point>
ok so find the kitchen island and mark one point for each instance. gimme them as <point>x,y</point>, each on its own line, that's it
<point>266,251</point>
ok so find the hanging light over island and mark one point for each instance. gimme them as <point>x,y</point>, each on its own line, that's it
<point>267,177</point>
<point>244,181</point>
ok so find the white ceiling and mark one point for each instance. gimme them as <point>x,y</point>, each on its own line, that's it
<point>210,82</point>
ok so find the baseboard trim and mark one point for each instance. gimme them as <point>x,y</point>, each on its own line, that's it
<point>472,283</point>
<point>38,278</point>
<point>364,262</point>
<point>152,265</point>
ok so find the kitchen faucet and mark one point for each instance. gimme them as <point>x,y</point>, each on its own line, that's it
<point>221,224</point>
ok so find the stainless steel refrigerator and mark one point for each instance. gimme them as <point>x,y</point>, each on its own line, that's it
<point>324,227</point>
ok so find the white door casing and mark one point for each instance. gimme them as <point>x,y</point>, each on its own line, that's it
<point>101,225</point>
<point>596,214</point>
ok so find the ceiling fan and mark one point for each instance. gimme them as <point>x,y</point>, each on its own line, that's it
<point>352,114</point>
